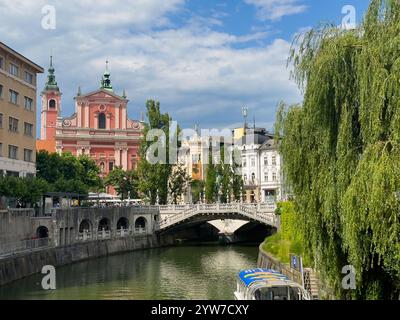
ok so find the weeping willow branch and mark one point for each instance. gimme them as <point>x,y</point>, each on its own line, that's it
<point>342,149</point>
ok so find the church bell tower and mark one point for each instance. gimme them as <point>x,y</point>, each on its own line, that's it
<point>51,105</point>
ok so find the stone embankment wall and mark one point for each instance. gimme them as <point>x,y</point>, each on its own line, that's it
<point>74,235</point>
<point>29,263</point>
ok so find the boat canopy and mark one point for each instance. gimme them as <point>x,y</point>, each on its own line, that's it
<point>267,276</point>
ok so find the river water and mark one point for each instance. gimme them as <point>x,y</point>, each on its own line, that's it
<point>205,272</point>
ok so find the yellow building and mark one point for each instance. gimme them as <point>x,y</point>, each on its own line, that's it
<point>17,113</point>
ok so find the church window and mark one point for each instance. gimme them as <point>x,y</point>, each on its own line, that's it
<point>102,121</point>
<point>52,104</point>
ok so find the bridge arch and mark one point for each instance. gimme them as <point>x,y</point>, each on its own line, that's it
<point>141,223</point>
<point>123,223</point>
<point>85,225</point>
<point>42,232</point>
<point>105,224</point>
<point>195,214</point>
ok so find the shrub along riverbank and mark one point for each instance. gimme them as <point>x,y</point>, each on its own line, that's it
<point>288,240</point>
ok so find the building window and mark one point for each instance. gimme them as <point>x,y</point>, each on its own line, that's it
<point>1,63</point>
<point>110,166</point>
<point>28,129</point>
<point>12,174</point>
<point>102,121</point>
<point>28,155</point>
<point>28,77</point>
<point>253,177</point>
<point>14,69</point>
<point>1,91</point>
<point>244,162</point>
<point>253,162</point>
<point>14,97</point>
<point>266,176</point>
<point>274,160</point>
<point>52,104</point>
<point>1,151</point>
<point>274,177</point>
<point>245,178</point>
<point>13,124</point>
<point>265,161</point>
<point>13,152</point>
<point>1,121</point>
<point>28,104</point>
<point>195,158</point>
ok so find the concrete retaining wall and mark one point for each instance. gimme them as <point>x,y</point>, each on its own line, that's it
<point>26,264</point>
<point>15,225</point>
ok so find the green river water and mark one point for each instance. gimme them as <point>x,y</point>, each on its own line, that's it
<point>204,272</point>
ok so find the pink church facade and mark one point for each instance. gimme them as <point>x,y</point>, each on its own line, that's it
<point>99,128</point>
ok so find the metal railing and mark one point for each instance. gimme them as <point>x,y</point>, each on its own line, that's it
<point>21,246</point>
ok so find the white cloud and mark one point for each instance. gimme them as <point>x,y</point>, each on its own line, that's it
<point>199,75</point>
<point>276,9</point>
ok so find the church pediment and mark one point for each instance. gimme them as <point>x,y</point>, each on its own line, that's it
<point>100,95</point>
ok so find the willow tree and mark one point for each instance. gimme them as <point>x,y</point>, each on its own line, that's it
<point>342,150</point>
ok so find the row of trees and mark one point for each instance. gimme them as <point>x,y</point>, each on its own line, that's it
<point>67,173</point>
<point>55,173</point>
<point>342,150</point>
<point>222,183</point>
<point>24,191</point>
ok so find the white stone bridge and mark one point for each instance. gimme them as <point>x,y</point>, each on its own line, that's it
<point>172,216</point>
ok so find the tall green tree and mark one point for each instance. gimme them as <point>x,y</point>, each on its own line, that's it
<point>211,192</point>
<point>197,189</point>
<point>178,183</point>
<point>224,176</point>
<point>124,182</point>
<point>342,150</point>
<point>154,177</point>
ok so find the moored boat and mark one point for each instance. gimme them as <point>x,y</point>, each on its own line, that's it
<point>267,284</point>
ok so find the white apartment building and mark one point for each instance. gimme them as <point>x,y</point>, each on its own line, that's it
<point>261,167</point>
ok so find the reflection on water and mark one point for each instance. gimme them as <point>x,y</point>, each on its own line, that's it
<point>194,272</point>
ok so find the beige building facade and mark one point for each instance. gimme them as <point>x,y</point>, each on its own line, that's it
<point>18,88</point>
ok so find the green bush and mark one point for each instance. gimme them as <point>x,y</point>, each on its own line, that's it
<point>288,240</point>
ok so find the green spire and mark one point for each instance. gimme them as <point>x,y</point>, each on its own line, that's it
<point>106,80</point>
<point>51,83</point>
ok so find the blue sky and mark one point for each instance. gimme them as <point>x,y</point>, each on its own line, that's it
<point>202,59</point>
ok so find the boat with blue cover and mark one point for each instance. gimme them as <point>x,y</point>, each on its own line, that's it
<point>267,284</point>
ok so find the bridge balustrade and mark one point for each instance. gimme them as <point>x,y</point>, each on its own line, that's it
<point>108,234</point>
<point>264,213</point>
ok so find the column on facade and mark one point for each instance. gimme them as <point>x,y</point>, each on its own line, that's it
<point>117,157</point>
<point>125,159</point>
<point>117,115</point>
<point>87,124</point>
<point>123,124</point>
<point>79,115</point>
<point>43,128</point>
<point>96,121</point>
<point>108,123</point>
